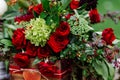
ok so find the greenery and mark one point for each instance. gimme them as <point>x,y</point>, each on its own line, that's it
<point>86,48</point>
<point>103,7</point>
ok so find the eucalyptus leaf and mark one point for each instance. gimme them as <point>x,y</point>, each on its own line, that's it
<point>10,15</point>
<point>36,61</point>
<point>6,42</point>
<point>10,26</point>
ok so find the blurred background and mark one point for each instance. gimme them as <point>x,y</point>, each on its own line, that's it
<point>103,7</point>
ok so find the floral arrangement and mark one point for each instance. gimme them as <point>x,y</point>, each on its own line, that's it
<point>52,30</point>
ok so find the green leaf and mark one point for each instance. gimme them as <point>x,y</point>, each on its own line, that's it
<point>36,61</point>
<point>7,65</point>
<point>9,15</point>
<point>84,72</point>
<point>54,9</point>
<point>111,70</point>
<point>10,32</point>
<point>6,42</point>
<point>10,26</point>
<point>101,69</point>
<point>48,20</point>
<point>23,4</point>
<point>45,4</point>
<point>35,14</point>
<point>65,3</point>
<point>56,19</point>
<point>38,1</point>
<point>5,32</point>
<point>1,35</point>
<point>43,15</point>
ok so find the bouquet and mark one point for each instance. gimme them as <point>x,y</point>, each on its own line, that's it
<point>46,31</point>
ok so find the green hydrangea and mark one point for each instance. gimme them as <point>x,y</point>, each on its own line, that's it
<point>38,32</point>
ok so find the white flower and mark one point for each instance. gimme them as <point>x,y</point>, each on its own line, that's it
<point>3,7</point>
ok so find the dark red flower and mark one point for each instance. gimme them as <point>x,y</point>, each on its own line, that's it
<point>25,17</point>
<point>43,52</point>
<point>108,35</point>
<point>63,29</point>
<point>74,4</point>
<point>38,8</point>
<point>57,42</point>
<point>18,38</point>
<point>22,60</point>
<point>68,16</point>
<point>94,16</point>
<point>31,50</point>
<point>48,69</point>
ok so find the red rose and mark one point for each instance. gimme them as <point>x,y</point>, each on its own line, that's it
<point>74,4</point>
<point>57,42</point>
<point>22,60</point>
<point>43,52</point>
<point>94,16</point>
<point>108,35</point>
<point>18,38</point>
<point>38,8</point>
<point>63,29</point>
<point>31,50</point>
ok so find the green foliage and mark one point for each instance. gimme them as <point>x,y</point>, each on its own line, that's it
<point>43,15</point>
<point>7,66</point>
<point>24,4</point>
<point>64,5</point>
<point>104,69</point>
<point>6,42</point>
<point>45,4</point>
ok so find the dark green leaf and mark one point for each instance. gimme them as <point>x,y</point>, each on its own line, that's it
<point>43,15</point>
<point>35,14</point>
<point>45,4</point>
<point>48,20</point>
<point>56,19</point>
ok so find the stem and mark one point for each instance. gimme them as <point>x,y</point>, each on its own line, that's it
<point>76,13</point>
<point>82,67</point>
